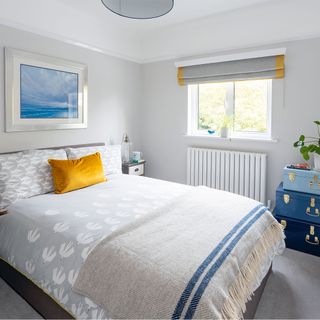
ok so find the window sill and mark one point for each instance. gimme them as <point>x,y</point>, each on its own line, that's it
<point>215,138</point>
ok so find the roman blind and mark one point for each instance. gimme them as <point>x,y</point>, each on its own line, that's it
<point>270,67</point>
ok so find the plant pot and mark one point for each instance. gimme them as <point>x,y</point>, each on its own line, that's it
<point>224,132</point>
<point>316,159</point>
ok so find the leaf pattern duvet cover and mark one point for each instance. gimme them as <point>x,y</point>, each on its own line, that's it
<point>48,237</point>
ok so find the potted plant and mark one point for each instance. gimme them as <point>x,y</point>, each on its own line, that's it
<point>226,124</point>
<point>309,145</point>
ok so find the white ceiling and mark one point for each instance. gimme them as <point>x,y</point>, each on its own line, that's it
<point>193,27</point>
<point>183,11</point>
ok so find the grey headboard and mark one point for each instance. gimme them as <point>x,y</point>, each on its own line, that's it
<point>94,144</point>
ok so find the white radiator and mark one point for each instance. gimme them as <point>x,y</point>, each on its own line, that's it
<point>238,172</point>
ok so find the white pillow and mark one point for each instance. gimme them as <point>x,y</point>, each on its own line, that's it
<point>26,174</point>
<point>110,156</point>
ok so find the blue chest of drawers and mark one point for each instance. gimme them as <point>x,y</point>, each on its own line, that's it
<point>299,213</point>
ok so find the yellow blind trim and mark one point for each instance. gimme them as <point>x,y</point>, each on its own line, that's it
<point>180,76</point>
<point>280,67</point>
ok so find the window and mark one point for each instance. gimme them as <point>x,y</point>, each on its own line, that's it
<point>243,106</point>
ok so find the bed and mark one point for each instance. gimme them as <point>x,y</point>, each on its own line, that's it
<point>46,240</point>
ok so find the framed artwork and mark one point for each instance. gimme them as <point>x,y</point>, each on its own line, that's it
<point>44,93</point>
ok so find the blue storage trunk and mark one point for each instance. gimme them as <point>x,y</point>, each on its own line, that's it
<point>297,205</point>
<point>307,181</point>
<point>301,236</point>
<point>299,213</point>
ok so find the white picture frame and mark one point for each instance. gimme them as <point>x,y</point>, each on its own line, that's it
<point>44,93</point>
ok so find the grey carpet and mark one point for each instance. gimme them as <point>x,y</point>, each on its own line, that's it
<point>292,291</point>
<point>12,306</point>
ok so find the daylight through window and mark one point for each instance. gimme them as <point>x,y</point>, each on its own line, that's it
<point>242,106</point>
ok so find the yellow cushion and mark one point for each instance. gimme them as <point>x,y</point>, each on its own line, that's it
<point>71,175</point>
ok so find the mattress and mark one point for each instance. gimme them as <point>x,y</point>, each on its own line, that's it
<point>48,237</point>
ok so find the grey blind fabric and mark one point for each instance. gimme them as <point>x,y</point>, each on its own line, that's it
<point>247,69</point>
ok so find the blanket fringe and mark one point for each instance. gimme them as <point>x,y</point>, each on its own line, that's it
<point>242,289</point>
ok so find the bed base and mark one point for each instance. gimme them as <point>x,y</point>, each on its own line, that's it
<point>253,304</point>
<point>37,298</point>
<point>49,309</point>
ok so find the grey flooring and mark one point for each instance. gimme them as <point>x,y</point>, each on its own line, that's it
<point>12,306</point>
<point>292,291</point>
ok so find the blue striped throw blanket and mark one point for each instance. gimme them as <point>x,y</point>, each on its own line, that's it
<point>202,256</point>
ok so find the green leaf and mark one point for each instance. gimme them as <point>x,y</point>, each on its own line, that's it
<point>302,138</point>
<point>304,149</point>
<point>312,148</point>
<point>298,144</point>
<point>306,156</point>
<point>317,122</point>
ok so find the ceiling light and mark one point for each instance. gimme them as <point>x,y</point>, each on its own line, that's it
<point>139,9</point>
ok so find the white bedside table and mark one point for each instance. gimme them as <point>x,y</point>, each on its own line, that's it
<point>136,169</point>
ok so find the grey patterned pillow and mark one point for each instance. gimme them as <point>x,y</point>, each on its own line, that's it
<point>110,156</point>
<point>26,174</point>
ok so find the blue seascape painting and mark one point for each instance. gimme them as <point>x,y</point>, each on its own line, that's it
<point>47,93</point>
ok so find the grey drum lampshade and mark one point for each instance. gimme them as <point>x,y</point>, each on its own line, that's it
<point>139,9</point>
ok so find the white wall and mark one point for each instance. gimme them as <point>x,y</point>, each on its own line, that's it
<point>296,103</point>
<point>114,95</point>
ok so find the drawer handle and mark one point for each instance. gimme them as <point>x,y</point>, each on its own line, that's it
<point>284,224</point>
<point>136,170</point>
<point>316,214</point>
<point>312,202</point>
<point>316,240</point>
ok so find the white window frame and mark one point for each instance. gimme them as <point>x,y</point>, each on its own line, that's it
<point>193,114</point>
